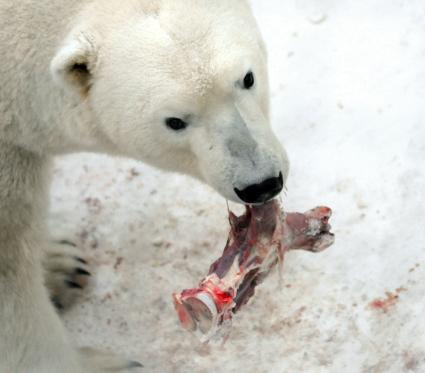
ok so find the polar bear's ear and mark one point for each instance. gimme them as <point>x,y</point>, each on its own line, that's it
<point>74,63</point>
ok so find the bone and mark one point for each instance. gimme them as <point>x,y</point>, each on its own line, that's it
<point>258,241</point>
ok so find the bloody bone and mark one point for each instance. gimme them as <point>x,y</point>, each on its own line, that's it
<point>257,242</point>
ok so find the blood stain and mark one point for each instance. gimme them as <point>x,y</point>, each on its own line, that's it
<point>384,304</point>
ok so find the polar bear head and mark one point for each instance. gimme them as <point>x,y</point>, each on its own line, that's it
<point>181,85</point>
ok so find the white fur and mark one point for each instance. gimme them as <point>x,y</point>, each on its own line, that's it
<point>147,60</point>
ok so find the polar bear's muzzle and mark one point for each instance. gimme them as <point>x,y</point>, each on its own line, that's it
<point>256,157</point>
<point>242,159</point>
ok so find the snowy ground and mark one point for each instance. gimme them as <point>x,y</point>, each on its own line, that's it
<point>348,85</point>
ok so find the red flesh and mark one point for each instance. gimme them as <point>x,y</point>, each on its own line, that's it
<point>257,242</point>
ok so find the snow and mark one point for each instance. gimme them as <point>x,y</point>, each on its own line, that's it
<point>348,88</point>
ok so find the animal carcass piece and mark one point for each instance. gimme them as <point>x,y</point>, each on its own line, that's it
<point>257,242</point>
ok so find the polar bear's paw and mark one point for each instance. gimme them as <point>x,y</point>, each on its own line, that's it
<point>100,362</point>
<point>66,273</point>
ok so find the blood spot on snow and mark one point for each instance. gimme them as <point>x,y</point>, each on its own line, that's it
<point>384,304</point>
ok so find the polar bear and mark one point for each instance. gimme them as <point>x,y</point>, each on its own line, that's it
<point>179,84</point>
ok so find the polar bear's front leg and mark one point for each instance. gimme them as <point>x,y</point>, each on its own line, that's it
<point>32,337</point>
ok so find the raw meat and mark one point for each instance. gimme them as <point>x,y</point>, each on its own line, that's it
<point>257,242</point>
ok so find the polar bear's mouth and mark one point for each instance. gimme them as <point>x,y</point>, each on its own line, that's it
<point>261,192</point>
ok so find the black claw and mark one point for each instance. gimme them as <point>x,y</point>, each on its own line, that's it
<point>73,285</point>
<point>57,304</point>
<point>135,364</point>
<point>83,272</point>
<point>80,260</point>
<point>65,242</point>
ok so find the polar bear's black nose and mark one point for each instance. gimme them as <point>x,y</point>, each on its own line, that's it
<point>262,192</point>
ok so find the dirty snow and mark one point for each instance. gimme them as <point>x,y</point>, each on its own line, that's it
<point>348,91</point>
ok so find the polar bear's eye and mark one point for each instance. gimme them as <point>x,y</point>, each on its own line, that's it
<point>249,80</point>
<point>175,124</point>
